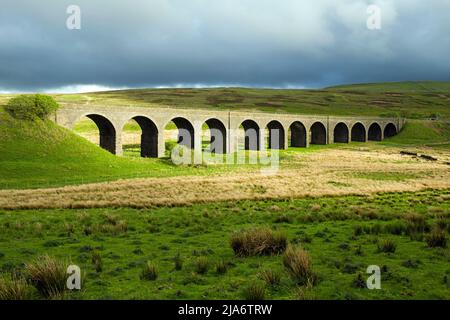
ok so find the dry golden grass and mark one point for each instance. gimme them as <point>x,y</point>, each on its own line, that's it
<point>325,173</point>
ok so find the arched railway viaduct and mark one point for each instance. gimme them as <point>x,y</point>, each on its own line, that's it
<point>262,130</point>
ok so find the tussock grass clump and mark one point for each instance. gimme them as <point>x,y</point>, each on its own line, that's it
<point>359,282</point>
<point>48,276</point>
<point>387,246</point>
<point>436,238</point>
<point>96,259</point>
<point>415,223</point>
<point>149,272</point>
<point>255,291</point>
<point>222,267</point>
<point>201,265</point>
<point>12,288</point>
<point>395,228</point>
<point>258,242</point>
<point>441,223</point>
<point>305,293</point>
<point>358,230</point>
<point>282,218</point>
<point>299,265</point>
<point>178,262</point>
<point>271,277</point>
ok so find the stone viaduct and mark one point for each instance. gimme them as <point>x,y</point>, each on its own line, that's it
<point>259,127</point>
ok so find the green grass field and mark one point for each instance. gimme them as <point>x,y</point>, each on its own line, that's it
<point>341,235</point>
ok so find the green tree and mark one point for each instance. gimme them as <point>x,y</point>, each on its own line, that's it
<point>31,107</point>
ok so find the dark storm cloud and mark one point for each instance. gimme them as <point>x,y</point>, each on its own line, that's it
<point>229,42</point>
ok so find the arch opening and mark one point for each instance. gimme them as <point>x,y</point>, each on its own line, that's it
<point>251,135</point>
<point>390,130</point>
<point>318,133</point>
<point>276,135</point>
<point>99,130</point>
<point>375,132</point>
<point>341,133</point>
<point>217,138</point>
<point>298,135</point>
<point>185,132</point>
<point>147,140</point>
<point>358,132</point>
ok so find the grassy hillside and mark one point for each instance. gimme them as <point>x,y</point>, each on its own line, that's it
<point>41,153</point>
<point>418,100</point>
<point>397,87</point>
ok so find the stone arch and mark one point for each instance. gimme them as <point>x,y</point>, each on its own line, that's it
<point>340,133</point>
<point>276,135</point>
<point>358,132</point>
<point>318,133</point>
<point>218,141</point>
<point>375,133</point>
<point>252,135</point>
<point>185,132</point>
<point>149,137</point>
<point>390,130</point>
<point>298,134</point>
<point>107,132</point>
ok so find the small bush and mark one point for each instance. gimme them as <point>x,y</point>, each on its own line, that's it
<point>149,272</point>
<point>255,291</point>
<point>48,276</point>
<point>271,277</point>
<point>436,238</point>
<point>12,288</point>
<point>31,107</point>
<point>299,265</point>
<point>201,265</point>
<point>387,245</point>
<point>258,242</point>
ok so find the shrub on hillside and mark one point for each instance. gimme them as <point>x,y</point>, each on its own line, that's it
<point>258,242</point>
<point>30,107</point>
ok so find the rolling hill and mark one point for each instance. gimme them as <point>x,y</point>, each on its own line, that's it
<point>414,100</point>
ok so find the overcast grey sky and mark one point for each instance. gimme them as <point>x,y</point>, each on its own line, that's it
<point>268,43</point>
